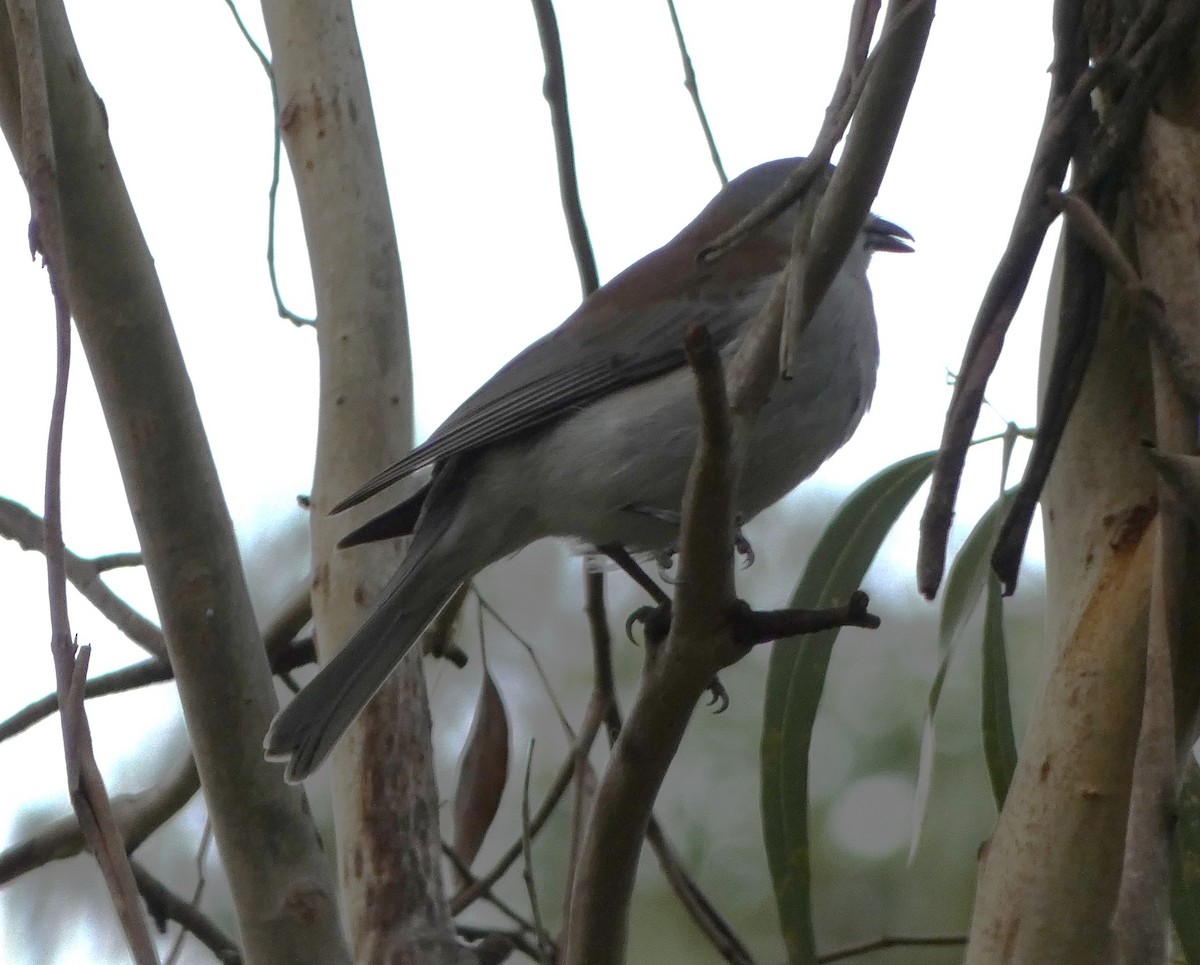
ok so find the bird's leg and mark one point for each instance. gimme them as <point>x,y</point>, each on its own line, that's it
<point>655,620</point>
<point>673,518</point>
<point>620,555</point>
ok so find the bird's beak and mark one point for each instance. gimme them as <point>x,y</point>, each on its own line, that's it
<point>882,235</point>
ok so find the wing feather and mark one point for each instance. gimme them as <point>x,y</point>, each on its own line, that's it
<point>534,388</point>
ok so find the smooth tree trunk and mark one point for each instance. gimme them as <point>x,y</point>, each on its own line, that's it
<point>384,790</point>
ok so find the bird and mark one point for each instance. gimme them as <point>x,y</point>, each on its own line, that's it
<point>589,433</point>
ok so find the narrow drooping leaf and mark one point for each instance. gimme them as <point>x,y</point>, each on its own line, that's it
<point>1185,867</point>
<point>968,573</point>
<point>797,676</point>
<point>968,578</point>
<point>999,744</point>
<point>484,770</point>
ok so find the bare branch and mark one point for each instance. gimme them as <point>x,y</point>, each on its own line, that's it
<point>554,87</point>
<point>689,83</point>
<point>28,530</point>
<point>878,97</point>
<point>546,951</point>
<point>89,798</point>
<point>1070,87</point>
<point>842,107</point>
<point>299,653</point>
<point>1148,51</point>
<point>463,870</point>
<point>671,685</point>
<point>164,905</point>
<point>277,152</point>
<point>138,815</point>
<point>892,941</point>
<point>185,532</point>
<point>704,913</point>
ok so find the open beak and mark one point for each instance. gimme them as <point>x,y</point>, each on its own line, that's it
<point>885,236</point>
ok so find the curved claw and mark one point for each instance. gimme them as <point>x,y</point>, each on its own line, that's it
<point>640,615</point>
<point>742,545</point>
<point>717,694</point>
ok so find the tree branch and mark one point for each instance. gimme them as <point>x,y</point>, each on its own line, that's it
<point>138,815</point>
<point>185,532</point>
<point>28,530</point>
<point>164,905</point>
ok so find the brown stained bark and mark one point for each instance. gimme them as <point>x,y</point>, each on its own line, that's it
<point>385,797</point>
<point>1049,876</point>
<point>1077,868</point>
<point>284,899</point>
<point>1167,227</point>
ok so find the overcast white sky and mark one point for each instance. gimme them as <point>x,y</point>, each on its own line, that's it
<point>466,137</point>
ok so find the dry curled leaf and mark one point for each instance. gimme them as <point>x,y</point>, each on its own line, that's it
<point>483,772</point>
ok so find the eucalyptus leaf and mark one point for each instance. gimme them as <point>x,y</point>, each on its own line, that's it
<point>968,578</point>
<point>999,744</point>
<point>797,676</point>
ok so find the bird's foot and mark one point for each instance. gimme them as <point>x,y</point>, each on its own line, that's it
<point>656,624</point>
<point>665,558</point>
<point>655,621</point>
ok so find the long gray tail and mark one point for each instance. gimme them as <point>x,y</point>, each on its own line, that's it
<point>304,732</point>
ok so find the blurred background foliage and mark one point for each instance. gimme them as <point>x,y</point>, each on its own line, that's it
<point>863,762</point>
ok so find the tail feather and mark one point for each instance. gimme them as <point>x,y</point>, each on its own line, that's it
<point>399,520</point>
<point>306,730</point>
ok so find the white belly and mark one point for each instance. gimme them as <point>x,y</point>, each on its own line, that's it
<point>578,477</point>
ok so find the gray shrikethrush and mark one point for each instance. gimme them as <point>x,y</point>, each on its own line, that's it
<point>596,422</point>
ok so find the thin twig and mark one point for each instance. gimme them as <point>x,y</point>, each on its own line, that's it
<point>284,311</point>
<point>546,954</point>
<point>85,785</point>
<point>463,870</point>
<point>138,814</point>
<point>863,18</point>
<point>587,733</point>
<point>28,530</point>
<point>878,99</point>
<point>1078,325</point>
<point>299,653</point>
<point>689,84</point>
<point>603,704</point>
<point>892,941</point>
<point>1144,58</point>
<point>164,905</point>
<point>115,561</point>
<point>837,119</point>
<point>525,645</point>
<point>1067,102</point>
<point>554,88</point>
<point>197,892</point>
<point>141,674</point>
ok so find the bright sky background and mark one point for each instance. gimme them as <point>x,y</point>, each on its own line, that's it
<point>486,261</point>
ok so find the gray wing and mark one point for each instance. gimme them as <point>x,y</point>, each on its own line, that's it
<point>535,388</point>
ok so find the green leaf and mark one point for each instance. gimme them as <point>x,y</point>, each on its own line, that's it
<point>969,572</point>
<point>999,744</point>
<point>797,676</point>
<point>1185,866</point>
<point>968,577</point>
